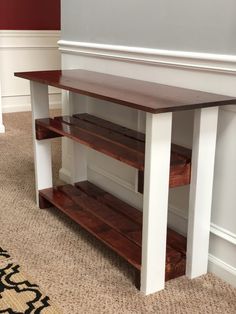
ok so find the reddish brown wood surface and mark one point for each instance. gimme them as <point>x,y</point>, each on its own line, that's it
<point>43,133</point>
<point>102,231</point>
<point>180,175</point>
<point>113,218</point>
<point>106,147</point>
<point>174,239</point>
<point>111,126</point>
<point>121,143</point>
<point>112,221</point>
<point>142,95</point>
<point>110,200</point>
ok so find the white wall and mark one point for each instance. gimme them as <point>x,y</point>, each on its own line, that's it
<point>26,51</point>
<point>189,25</point>
<point>185,43</point>
<point>207,72</point>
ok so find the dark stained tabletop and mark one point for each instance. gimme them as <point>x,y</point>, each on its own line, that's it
<point>142,95</point>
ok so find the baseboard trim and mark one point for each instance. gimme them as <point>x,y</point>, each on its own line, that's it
<point>27,107</point>
<point>65,175</point>
<point>215,229</point>
<point>19,103</point>
<point>178,219</point>
<point>222,269</point>
<point>183,59</point>
<point>112,177</point>
<point>2,128</point>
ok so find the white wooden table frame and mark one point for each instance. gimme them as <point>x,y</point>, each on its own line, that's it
<point>156,187</point>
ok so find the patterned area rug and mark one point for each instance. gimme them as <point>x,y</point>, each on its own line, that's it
<point>18,295</point>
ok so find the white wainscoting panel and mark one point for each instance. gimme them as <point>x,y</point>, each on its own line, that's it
<point>206,72</point>
<point>26,51</point>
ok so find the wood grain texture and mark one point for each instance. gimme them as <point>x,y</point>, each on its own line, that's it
<point>115,223</point>
<point>110,200</point>
<point>44,133</point>
<point>93,141</point>
<point>118,142</point>
<point>180,175</point>
<point>142,95</point>
<point>102,231</point>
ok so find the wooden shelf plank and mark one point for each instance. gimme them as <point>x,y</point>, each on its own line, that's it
<point>113,239</point>
<point>111,126</point>
<point>174,239</point>
<point>121,143</point>
<point>104,133</point>
<point>142,95</point>
<point>110,201</point>
<point>114,219</point>
<point>82,136</point>
<point>113,222</point>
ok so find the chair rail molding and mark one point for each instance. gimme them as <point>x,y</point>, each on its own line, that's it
<point>201,71</point>
<point>26,50</point>
<point>183,59</point>
<point>198,66</point>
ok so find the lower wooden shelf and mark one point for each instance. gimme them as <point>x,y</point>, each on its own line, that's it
<point>112,221</point>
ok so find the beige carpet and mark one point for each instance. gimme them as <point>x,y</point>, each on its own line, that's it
<point>76,271</point>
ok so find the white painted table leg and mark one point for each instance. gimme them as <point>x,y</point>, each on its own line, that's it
<point>155,204</point>
<point>203,159</point>
<point>42,149</point>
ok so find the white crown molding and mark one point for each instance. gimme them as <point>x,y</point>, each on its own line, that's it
<point>21,39</point>
<point>183,59</point>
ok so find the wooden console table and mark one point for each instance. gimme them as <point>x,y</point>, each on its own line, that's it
<point>157,253</point>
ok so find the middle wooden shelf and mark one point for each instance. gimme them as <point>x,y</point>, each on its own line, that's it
<point>116,141</point>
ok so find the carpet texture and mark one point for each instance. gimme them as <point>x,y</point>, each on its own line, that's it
<point>78,273</point>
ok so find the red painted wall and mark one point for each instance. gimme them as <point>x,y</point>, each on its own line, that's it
<point>30,14</point>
